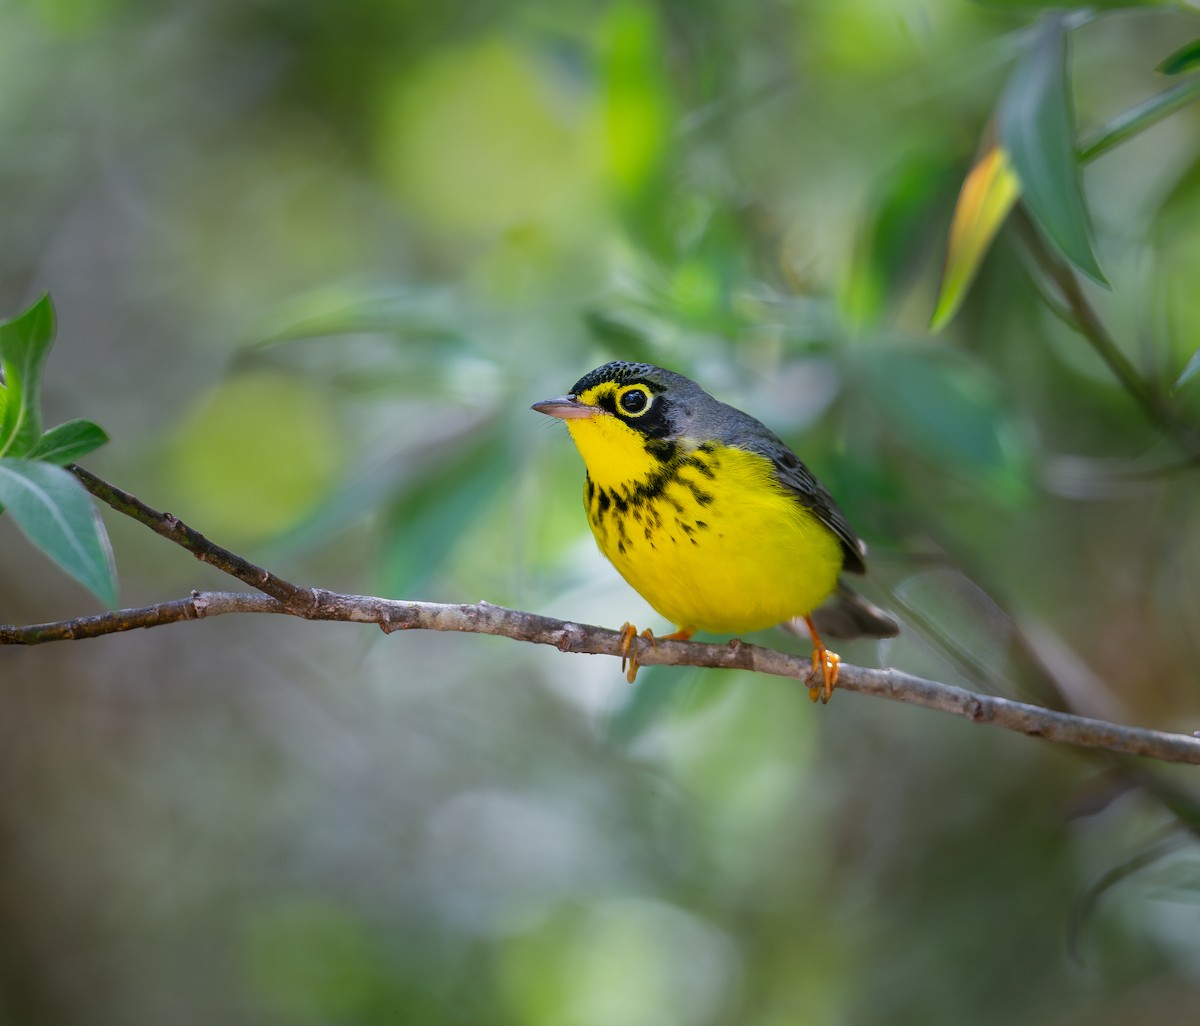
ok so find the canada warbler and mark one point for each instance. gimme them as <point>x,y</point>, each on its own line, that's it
<point>711,517</point>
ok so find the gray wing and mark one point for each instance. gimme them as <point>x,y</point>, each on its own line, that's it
<point>809,492</point>
<point>813,495</point>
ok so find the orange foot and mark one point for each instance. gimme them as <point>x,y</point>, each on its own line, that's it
<point>826,663</point>
<point>629,636</point>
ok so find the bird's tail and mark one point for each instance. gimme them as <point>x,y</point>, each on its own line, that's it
<point>846,614</point>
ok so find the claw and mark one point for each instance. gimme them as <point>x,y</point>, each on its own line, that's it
<point>629,636</point>
<point>826,663</point>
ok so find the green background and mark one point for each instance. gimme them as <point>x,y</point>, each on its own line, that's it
<point>313,261</point>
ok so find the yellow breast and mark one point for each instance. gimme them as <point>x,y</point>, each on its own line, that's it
<point>712,541</point>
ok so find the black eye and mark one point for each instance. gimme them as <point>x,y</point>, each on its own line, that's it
<point>634,402</point>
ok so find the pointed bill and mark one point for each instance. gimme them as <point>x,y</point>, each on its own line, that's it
<point>567,407</point>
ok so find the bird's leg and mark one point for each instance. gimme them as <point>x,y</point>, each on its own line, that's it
<point>629,636</point>
<point>827,662</point>
<point>683,634</point>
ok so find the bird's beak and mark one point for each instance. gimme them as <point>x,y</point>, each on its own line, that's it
<point>567,407</point>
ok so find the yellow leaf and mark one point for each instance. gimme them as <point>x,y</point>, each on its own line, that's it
<point>987,195</point>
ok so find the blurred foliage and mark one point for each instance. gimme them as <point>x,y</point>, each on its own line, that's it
<point>1035,122</point>
<point>313,262</point>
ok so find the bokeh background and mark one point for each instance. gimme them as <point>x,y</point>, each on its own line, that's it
<point>313,262</point>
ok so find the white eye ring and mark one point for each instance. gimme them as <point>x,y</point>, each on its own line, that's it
<point>635,390</point>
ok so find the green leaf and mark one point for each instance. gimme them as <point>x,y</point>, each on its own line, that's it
<point>1138,118</point>
<point>67,442</point>
<point>57,515</point>
<point>1036,125</point>
<point>24,343</point>
<point>1184,59</point>
<point>988,194</point>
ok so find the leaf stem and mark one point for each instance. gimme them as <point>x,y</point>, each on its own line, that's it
<point>1137,118</point>
<point>1087,321</point>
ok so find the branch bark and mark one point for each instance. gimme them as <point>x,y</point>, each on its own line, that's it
<point>273,594</point>
<point>485,618</point>
<point>169,526</point>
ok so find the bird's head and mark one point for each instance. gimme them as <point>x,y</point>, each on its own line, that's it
<point>628,419</point>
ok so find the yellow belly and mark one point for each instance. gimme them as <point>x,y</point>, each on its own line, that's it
<point>727,550</point>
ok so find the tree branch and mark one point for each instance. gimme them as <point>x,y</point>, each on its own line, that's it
<point>275,595</point>
<point>484,618</point>
<point>173,529</point>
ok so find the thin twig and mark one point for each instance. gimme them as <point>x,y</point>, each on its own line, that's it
<point>484,618</point>
<point>173,529</point>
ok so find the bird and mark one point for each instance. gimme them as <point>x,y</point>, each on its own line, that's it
<point>710,516</point>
